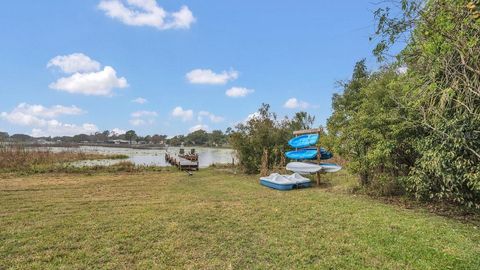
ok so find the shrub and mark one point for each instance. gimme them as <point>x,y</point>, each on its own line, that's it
<point>264,132</point>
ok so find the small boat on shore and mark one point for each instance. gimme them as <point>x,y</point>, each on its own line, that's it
<point>285,182</point>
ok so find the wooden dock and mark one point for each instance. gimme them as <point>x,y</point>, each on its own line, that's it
<point>182,163</point>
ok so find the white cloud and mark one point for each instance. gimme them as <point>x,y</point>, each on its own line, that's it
<point>147,13</point>
<point>40,110</point>
<point>207,76</point>
<point>236,92</point>
<point>28,115</point>
<point>213,118</point>
<point>118,131</point>
<point>99,83</point>
<point>140,100</point>
<point>144,113</point>
<point>23,119</point>
<point>179,112</point>
<point>294,103</point>
<point>181,19</point>
<point>255,115</point>
<point>88,78</point>
<point>198,127</point>
<point>56,128</point>
<point>137,122</point>
<point>76,62</point>
<point>251,116</point>
<point>141,118</point>
<point>42,119</point>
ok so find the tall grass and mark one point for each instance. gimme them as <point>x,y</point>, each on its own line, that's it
<point>19,158</point>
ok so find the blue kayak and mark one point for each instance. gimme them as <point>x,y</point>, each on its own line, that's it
<point>309,154</point>
<point>302,154</point>
<point>304,141</point>
<point>324,154</point>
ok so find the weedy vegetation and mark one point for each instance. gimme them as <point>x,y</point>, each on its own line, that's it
<point>20,159</point>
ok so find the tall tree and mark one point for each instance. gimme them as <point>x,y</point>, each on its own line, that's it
<point>130,135</point>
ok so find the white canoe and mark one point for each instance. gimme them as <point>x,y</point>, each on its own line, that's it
<point>303,168</point>
<point>309,168</point>
<point>330,167</point>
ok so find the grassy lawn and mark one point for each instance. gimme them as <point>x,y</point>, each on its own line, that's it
<point>215,220</point>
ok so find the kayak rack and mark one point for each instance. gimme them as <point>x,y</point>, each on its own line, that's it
<point>318,160</point>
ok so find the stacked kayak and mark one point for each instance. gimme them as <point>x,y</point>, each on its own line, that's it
<point>304,141</point>
<point>309,168</point>
<point>303,168</point>
<point>305,150</point>
<point>309,153</point>
<point>285,182</point>
<point>302,154</point>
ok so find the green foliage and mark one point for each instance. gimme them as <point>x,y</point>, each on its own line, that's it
<point>215,138</point>
<point>390,29</point>
<point>421,128</point>
<point>130,135</point>
<point>444,62</point>
<point>367,128</point>
<point>199,137</point>
<point>263,131</point>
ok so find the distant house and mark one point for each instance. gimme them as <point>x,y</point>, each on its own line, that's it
<point>43,141</point>
<point>119,142</point>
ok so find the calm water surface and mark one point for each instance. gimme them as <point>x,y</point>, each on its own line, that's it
<point>156,157</point>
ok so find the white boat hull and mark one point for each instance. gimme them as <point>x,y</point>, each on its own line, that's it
<point>309,168</point>
<point>303,168</point>
<point>330,167</point>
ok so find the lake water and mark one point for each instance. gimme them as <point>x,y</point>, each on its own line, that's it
<point>153,157</point>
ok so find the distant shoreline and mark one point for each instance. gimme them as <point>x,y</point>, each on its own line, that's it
<point>131,146</point>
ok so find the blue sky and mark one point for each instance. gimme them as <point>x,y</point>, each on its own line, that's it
<point>285,53</point>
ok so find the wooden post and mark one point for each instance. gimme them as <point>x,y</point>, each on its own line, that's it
<point>264,164</point>
<point>318,161</point>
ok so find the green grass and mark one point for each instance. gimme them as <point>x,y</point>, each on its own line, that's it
<point>215,220</point>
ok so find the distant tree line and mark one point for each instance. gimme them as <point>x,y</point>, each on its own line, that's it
<point>216,138</point>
